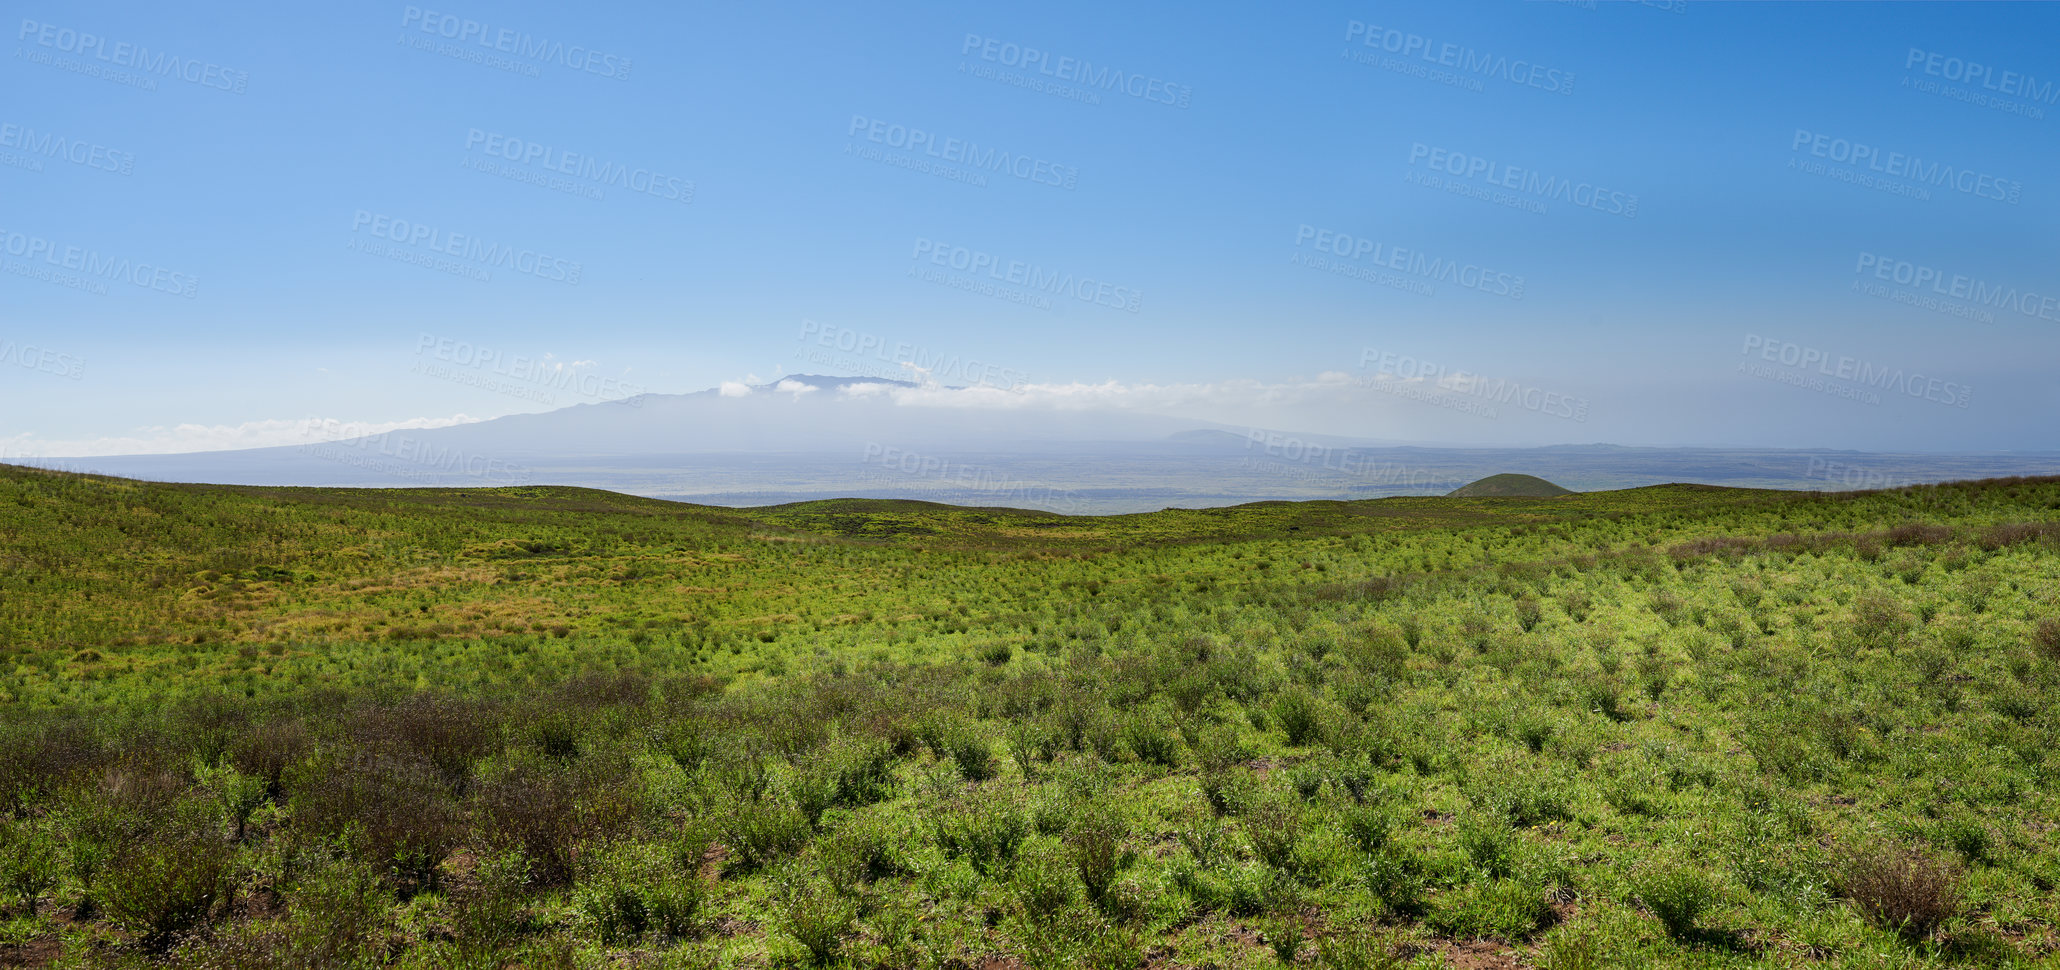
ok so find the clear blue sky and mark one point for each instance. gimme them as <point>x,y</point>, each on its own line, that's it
<point>768,223</point>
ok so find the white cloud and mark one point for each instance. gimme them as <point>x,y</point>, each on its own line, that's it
<point>734,389</point>
<point>795,388</point>
<point>863,390</point>
<point>181,438</point>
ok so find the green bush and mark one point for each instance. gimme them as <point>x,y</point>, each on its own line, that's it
<point>337,916</point>
<point>849,772</point>
<point>1151,741</point>
<point>761,833</point>
<point>627,889</point>
<point>1507,909</point>
<point>1370,826</point>
<point>1095,844</point>
<point>28,862</point>
<point>1972,839</point>
<point>165,885</point>
<point>236,795</point>
<point>813,914</point>
<point>1677,894</point>
<point>1274,827</point>
<point>1879,620</point>
<point>1489,844</point>
<point>865,848</point>
<point>1045,882</point>
<point>1283,933</point>
<point>985,831</point>
<point>1354,948</point>
<point>1299,715</point>
<point>961,743</point>
<point>1397,880</point>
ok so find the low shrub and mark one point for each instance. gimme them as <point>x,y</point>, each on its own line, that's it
<point>1095,845</point>
<point>1274,827</point>
<point>1354,948</point>
<point>1300,717</point>
<point>763,832</point>
<point>1151,740</point>
<point>985,831</point>
<point>2046,637</point>
<point>628,889</point>
<point>395,807</point>
<point>165,885</point>
<point>337,915</point>
<point>1397,879</point>
<point>1489,844</point>
<point>1507,909</point>
<point>1905,890</point>
<point>1370,826</point>
<point>547,809</point>
<point>849,772</point>
<point>1045,882</point>
<point>1678,895</point>
<point>1283,933</point>
<point>960,742</point>
<point>28,863</point>
<point>489,911</point>
<point>813,914</point>
<point>865,848</point>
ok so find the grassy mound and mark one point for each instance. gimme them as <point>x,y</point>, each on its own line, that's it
<point>1509,486</point>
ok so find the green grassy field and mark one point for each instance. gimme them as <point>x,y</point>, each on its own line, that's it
<point>1671,726</point>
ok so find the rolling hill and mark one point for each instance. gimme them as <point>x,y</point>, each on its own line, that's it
<point>1509,486</point>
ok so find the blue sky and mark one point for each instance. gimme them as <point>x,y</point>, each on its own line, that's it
<point>1709,224</point>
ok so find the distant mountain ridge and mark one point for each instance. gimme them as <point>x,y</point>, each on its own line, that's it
<point>810,436</point>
